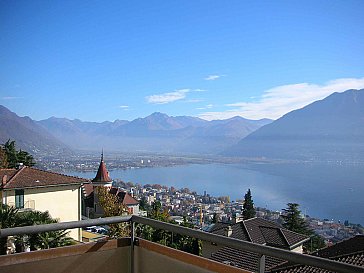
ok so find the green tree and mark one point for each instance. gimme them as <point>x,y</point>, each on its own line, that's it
<point>248,207</point>
<point>14,157</point>
<point>44,240</point>
<point>11,217</point>
<point>25,158</point>
<point>178,241</point>
<point>3,158</point>
<point>8,219</point>
<point>292,220</point>
<point>143,204</point>
<point>11,153</point>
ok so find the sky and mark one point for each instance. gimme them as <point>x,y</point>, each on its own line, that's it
<point>108,60</point>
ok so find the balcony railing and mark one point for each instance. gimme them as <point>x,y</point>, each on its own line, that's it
<point>28,205</point>
<point>261,250</point>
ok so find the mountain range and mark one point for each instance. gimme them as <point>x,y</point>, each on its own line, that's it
<point>157,132</point>
<point>28,134</point>
<point>331,129</point>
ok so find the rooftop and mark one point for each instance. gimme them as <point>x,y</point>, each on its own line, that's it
<point>349,251</point>
<point>261,231</point>
<point>28,177</point>
<point>102,174</point>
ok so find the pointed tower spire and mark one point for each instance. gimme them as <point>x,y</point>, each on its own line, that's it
<point>102,173</point>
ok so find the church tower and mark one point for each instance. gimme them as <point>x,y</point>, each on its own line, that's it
<point>102,177</point>
<point>91,200</point>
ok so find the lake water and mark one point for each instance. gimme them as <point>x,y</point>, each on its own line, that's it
<point>324,191</point>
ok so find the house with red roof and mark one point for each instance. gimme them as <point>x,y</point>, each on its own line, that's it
<point>92,208</point>
<point>29,188</point>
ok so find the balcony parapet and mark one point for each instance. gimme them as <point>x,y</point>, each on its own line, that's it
<point>221,240</point>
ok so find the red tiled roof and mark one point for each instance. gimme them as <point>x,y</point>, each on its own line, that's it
<point>28,177</point>
<point>129,200</point>
<point>102,174</point>
<point>125,198</point>
<point>88,189</point>
<point>349,251</point>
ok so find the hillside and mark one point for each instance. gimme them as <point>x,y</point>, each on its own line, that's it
<point>331,129</point>
<point>28,134</point>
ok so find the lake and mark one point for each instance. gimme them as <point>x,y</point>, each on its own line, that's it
<point>324,191</point>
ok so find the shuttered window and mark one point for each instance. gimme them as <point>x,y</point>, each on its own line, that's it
<point>19,199</point>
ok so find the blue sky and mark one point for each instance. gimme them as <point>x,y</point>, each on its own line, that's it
<point>107,60</point>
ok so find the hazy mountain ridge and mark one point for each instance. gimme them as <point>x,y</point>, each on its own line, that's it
<point>156,132</point>
<point>329,129</point>
<point>28,134</point>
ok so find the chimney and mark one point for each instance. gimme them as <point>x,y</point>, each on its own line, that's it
<point>4,180</point>
<point>228,231</point>
<point>19,165</point>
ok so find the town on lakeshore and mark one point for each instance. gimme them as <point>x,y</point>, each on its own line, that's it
<point>182,136</point>
<point>28,189</point>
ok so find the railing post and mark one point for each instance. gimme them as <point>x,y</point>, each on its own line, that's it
<point>261,264</point>
<point>132,240</point>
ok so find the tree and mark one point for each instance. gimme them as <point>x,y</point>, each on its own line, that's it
<point>248,207</point>
<point>14,157</point>
<point>143,204</point>
<point>112,206</point>
<point>8,219</point>
<point>178,241</point>
<point>292,220</point>
<point>44,240</point>
<point>25,158</point>
<point>11,217</point>
<point>3,158</point>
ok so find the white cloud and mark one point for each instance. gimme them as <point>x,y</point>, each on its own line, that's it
<point>212,77</point>
<point>199,90</point>
<point>280,100</point>
<point>167,97</point>
<point>11,98</point>
<point>124,107</point>
<point>209,106</point>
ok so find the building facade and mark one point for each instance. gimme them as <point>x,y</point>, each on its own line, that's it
<point>33,189</point>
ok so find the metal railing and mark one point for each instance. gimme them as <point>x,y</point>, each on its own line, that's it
<point>29,204</point>
<point>261,250</point>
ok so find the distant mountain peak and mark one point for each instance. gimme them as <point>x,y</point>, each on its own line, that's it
<point>158,114</point>
<point>330,129</point>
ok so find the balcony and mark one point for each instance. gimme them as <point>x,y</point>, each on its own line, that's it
<point>137,255</point>
<point>28,205</point>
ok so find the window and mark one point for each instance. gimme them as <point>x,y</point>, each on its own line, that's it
<point>19,199</point>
